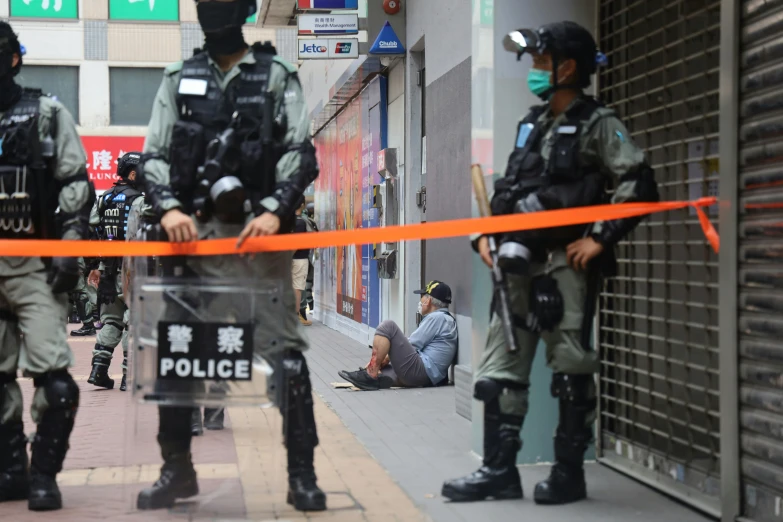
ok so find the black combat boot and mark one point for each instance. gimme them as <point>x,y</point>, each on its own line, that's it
<point>213,418</point>
<point>50,443</point>
<point>196,426</point>
<point>300,434</point>
<point>497,478</point>
<point>14,476</point>
<point>177,477</point>
<point>99,376</point>
<point>303,491</point>
<point>566,482</point>
<point>87,329</point>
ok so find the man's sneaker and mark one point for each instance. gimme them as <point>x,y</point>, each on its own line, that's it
<point>362,380</point>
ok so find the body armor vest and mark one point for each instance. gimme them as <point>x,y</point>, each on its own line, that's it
<point>566,180</point>
<point>114,210</point>
<point>206,112</point>
<point>28,195</point>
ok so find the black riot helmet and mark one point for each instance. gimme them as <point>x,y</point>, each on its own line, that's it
<point>128,163</point>
<point>9,46</point>
<point>311,209</point>
<point>216,15</point>
<point>563,41</point>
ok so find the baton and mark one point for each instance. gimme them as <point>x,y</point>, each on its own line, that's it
<point>501,298</point>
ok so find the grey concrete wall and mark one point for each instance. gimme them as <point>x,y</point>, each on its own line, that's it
<point>445,26</point>
<point>440,30</point>
<point>448,179</point>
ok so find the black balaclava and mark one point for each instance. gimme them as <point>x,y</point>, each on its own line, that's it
<point>222,25</point>
<point>10,91</point>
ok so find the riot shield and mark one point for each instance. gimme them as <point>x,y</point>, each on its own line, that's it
<point>208,346</point>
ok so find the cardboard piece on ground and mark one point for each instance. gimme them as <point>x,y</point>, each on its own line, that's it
<point>349,386</point>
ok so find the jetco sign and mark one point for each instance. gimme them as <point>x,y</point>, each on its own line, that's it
<point>331,48</point>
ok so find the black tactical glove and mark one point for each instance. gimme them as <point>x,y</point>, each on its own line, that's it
<point>546,302</point>
<point>107,289</point>
<point>63,274</point>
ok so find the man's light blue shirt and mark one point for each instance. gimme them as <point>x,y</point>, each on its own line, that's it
<point>436,340</point>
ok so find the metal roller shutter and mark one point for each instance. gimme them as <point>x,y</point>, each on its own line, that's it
<point>760,254</point>
<point>658,333</point>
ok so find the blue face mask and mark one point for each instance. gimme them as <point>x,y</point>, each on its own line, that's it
<point>539,82</point>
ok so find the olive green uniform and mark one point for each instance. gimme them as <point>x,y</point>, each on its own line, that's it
<point>607,143</point>
<point>113,315</point>
<point>28,307</point>
<point>82,293</point>
<point>275,266</point>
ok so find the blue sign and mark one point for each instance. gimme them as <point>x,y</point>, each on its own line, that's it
<point>387,42</point>
<point>328,4</point>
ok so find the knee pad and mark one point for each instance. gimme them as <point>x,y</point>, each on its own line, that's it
<point>60,390</point>
<point>296,401</point>
<point>485,389</point>
<point>489,391</point>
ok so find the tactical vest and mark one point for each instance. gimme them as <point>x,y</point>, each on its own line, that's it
<point>526,170</point>
<point>114,210</point>
<point>27,197</point>
<point>206,111</point>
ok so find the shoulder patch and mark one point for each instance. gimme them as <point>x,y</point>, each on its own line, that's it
<point>172,69</point>
<point>289,67</point>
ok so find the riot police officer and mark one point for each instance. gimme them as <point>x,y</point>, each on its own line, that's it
<point>248,103</point>
<point>42,166</point>
<point>110,216</point>
<point>84,305</point>
<point>568,153</point>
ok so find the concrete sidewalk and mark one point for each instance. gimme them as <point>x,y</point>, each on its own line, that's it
<point>416,435</point>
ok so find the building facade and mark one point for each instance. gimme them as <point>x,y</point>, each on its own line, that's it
<point>104,60</point>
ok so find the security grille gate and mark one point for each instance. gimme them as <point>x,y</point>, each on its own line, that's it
<point>760,254</point>
<point>658,324</point>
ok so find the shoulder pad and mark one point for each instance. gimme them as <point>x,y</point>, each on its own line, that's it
<point>289,67</point>
<point>535,112</point>
<point>603,112</point>
<point>47,105</point>
<point>174,68</point>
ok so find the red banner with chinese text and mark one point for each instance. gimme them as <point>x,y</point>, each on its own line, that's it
<point>103,153</point>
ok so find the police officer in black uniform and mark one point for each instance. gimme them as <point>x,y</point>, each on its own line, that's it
<point>110,216</point>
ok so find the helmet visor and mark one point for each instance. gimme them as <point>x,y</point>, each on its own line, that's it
<point>522,41</point>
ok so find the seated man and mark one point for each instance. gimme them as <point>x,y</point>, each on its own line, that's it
<point>421,360</point>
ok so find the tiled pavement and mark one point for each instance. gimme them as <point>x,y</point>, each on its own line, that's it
<point>241,469</point>
<point>383,456</point>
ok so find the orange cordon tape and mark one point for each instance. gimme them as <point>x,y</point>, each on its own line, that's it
<point>435,230</point>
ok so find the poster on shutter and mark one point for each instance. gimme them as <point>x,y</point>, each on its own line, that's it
<point>102,155</point>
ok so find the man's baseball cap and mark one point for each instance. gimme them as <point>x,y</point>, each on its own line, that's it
<point>437,289</point>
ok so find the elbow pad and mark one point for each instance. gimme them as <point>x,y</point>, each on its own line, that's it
<point>290,192</point>
<point>645,190</point>
<point>78,221</point>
